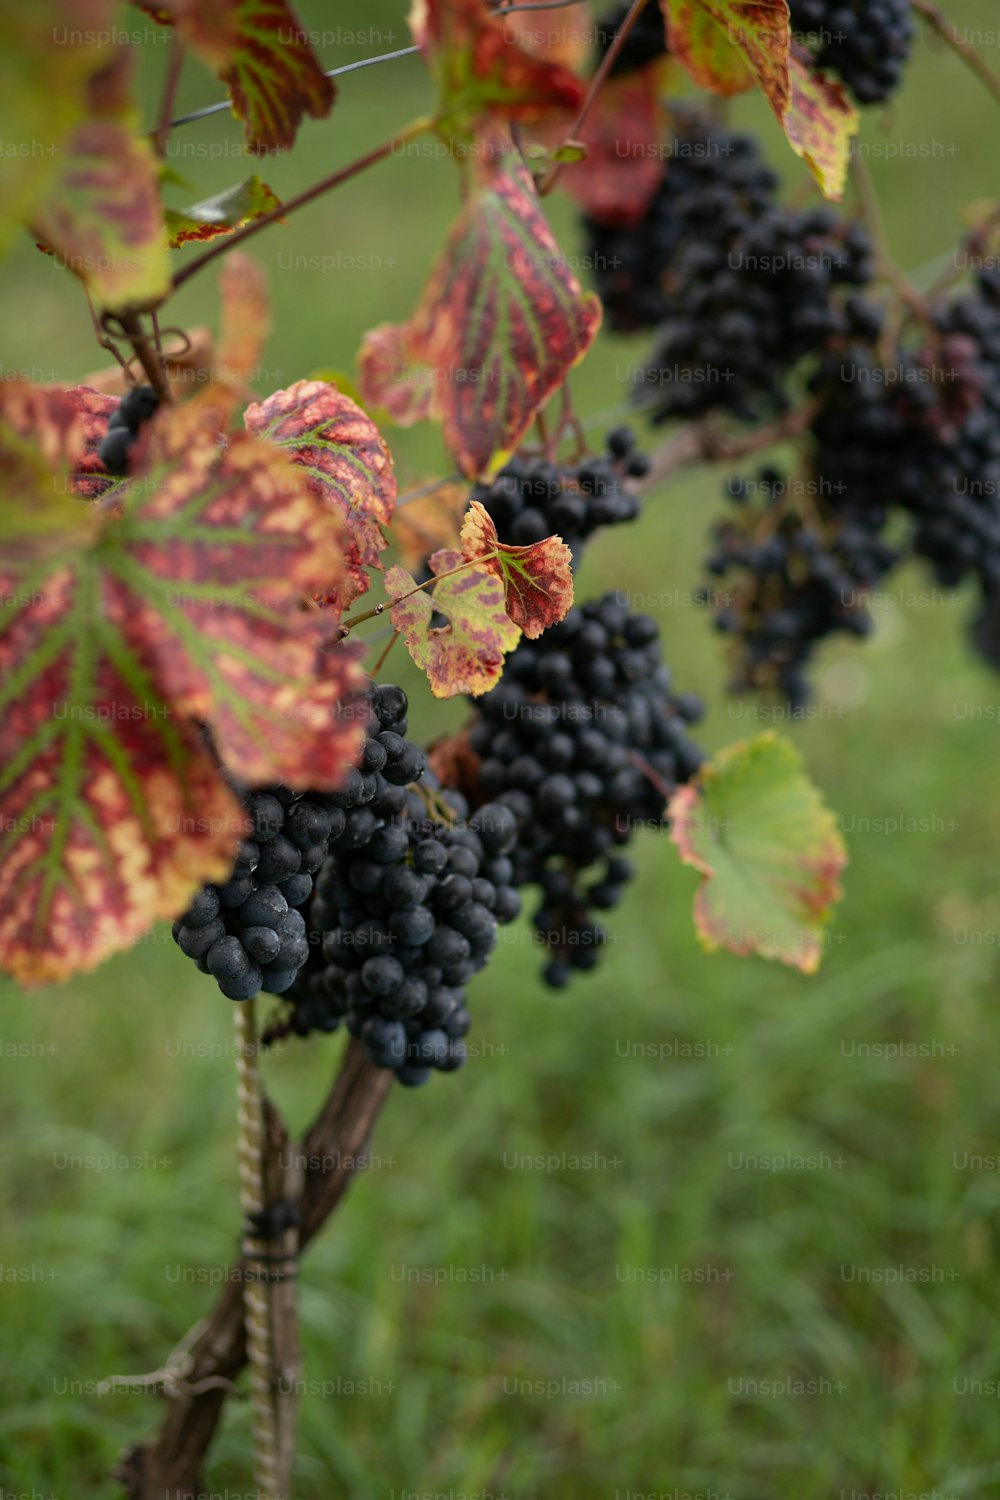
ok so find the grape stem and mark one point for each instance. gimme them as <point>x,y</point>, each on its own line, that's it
<point>700,442</point>
<point>343,174</point>
<point>949,34</point>
<point>598,81</point>
<point>428,583</point>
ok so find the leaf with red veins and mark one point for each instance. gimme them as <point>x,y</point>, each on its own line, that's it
<point>624,135</point>
<point>483,71</point>
<point>220,548</point>
<point>260,51</point>
<point>346,463</point>
<point>466,655</point>
<point>103,217</point>
<point>537,580</point>
<point>390,378</point>
<point>502,319</point>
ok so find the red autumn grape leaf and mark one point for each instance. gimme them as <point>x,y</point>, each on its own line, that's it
<point>465,655</point>
<point>624,136</point>
<point>111,810</point>
<point>502,319</point>
<point>483,71</point>
<point>102,216</point>
<point>820,123</point>
<point>388,376</point>
<point>43,93</point>
<point>768,849</point>
<point>345,462</point>
<point>260,51</point>
<point>537,580</point>
<point>221,214</point>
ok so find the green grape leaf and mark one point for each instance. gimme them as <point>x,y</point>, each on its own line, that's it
<point>222,213</point>
<point>345,462</point>
<point>465,655</point>
<point>537,580</point>
<point>501,322</point>
<point>263,55</point>
<point>102,216</point>
<point>43,93</point>
<point>483,71</point>
<point>126,627</point>
<point>768,849</point>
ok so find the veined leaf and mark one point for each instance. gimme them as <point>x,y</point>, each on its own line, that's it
<point>466,654</point>
<point>537,580</point>
<point>501,322</point>
<point>260,51</point>
<point>121,634</point>
<point>345,462</point>
<point>768,849</point>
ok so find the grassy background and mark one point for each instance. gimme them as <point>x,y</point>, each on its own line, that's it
<point>663,1315</point>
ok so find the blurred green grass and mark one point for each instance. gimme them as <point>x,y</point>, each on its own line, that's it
<point>476,1322</point>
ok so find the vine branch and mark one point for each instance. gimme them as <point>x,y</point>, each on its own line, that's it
<point>169,1465</point>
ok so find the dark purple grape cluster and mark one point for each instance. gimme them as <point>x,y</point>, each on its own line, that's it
<point>749,296</point>
<point>135,408</point>
<point>646,43</point>
<point>407,917</point>
<point>583,740</point>
<point>865,43</point>
<point>532,498</point>
<point>918,440</point>
<point>795,574</point>
<point>710,172</point>
<point>249,933</point>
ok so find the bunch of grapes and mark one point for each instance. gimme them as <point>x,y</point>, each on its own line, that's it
<point>136,407</point>
<point>249,933</point>
<point>748,297</point>
<point>796,574</point>
<point>865,43</point>
<point>583,740</point>
<point>710,174</point>
<point>406,911</point>
<point>532,498</point>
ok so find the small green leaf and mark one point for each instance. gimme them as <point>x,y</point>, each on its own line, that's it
<point>769,851</point>
<point>222,213</point>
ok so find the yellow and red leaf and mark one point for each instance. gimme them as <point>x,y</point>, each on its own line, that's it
<point>345,462</point>
<point>537,580</point>
<point>466,654</point>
